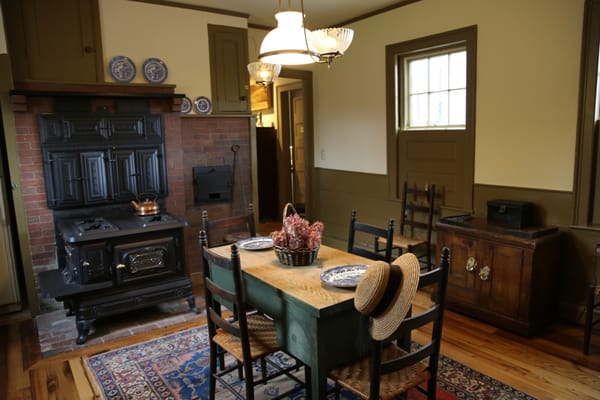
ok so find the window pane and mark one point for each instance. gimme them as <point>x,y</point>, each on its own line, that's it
<point>418,110</point>
<point>458,111</point>
<point>458,70</point>
<point>438,73</point>
<point>438,109</point>
<point>417,70</point>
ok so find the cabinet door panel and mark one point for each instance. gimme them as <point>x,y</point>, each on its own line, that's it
<point>95,187</point>
<point>462,284</point>
<point>501,291</point>
<point>64,188</point>
<point>151,177</point>
<point>123,174</point>
<point>129,127</point>
<point>85,129</point>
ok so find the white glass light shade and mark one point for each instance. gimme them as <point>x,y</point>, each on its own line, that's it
<point>331,43</point>
<point>264,73</point>
<point>289,43</point>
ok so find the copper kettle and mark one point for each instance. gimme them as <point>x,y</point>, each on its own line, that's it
<point>146,207</point>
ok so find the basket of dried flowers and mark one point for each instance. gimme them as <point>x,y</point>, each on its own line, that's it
<point>297,242</point>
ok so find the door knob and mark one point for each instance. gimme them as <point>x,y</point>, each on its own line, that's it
<point>471,264</point>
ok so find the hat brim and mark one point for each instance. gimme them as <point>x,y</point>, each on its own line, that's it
<point>386,323</point>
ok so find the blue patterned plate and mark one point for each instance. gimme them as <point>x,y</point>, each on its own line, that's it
<point>344,276</point>
<point>203,105</point>
<point>122,69</point>
<point>155,70</point>
<point>186,105</point>
<point>256,243</point>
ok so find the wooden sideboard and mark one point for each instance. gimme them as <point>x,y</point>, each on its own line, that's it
<point>507,277</point>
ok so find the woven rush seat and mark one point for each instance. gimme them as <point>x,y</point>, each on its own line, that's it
<point>261,334</point>
<point>355,376</point>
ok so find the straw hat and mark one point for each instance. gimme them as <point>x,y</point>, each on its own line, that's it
<point>385,293</point>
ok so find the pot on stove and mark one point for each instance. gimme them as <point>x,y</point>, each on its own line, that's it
<point>146,207</point>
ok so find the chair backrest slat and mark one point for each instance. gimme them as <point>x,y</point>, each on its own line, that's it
<point>217,230</point>
<point>374,232</point>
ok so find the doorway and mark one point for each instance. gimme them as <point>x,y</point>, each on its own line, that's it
<point>292,180</point>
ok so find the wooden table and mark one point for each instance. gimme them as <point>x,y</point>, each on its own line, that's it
<point>316,323</point>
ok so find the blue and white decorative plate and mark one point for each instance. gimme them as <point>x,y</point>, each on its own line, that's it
<point>344,276</point>
<point>122,69</point>
<point>155,70</point>
<point>256,243</point>
<point>186,105</point>
<point>203,105</point>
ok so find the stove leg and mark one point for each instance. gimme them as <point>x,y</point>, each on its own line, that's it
<point>83,330</point>
<point>192,302</point>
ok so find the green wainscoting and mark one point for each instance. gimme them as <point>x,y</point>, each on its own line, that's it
<point>336,193</point>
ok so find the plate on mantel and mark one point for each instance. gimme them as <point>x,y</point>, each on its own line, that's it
<point>122,69</point>
<point>344,276</point>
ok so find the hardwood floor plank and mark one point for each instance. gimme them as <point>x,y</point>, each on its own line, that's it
<point>19,380</point>
<point>85,389</point>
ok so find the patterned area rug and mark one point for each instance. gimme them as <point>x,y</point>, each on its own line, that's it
<point>175,367</point>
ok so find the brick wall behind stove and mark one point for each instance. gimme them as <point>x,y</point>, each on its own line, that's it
<point>208,142</point>
<point>190,141</point>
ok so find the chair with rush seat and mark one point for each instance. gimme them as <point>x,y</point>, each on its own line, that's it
<point>228,230</point>
<point>247,337</point>
<point>384,295</point>
<point>359,232</point>
<point>416,223</point>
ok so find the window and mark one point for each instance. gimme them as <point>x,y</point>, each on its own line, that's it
<point>430,100</point>
<point>436,87</point>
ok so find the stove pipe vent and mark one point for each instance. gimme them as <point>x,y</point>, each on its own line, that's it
<point>213,184</point>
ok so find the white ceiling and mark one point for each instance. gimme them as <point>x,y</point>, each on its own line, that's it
<point>319,13</point>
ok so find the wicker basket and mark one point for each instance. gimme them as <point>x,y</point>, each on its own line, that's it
<point>295,257</point>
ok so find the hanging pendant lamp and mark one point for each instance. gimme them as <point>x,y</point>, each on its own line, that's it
<point>264,73</point>
<point>292,44</point>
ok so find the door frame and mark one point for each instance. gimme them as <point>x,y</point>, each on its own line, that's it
<point>305,82</point>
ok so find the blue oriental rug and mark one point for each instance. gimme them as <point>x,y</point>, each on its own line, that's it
<point>175,367</point>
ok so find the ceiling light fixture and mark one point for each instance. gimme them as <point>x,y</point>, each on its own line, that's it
<point>264,73</point>
<point>292,44</point>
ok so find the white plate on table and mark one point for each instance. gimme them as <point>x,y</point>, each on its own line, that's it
<point>256,243</point>
<point>344,276</point>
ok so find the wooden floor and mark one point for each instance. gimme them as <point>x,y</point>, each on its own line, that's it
<point>548,367</point>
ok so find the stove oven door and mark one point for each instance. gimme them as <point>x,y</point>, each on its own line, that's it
<point>147,259</point>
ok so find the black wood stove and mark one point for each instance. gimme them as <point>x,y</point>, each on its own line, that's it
<point>110,259</point>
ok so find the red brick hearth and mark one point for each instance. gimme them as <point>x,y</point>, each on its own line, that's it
<point>189,140</point>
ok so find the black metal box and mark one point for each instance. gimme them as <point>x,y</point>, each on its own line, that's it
<point>509,213</point>
<point>213,184</point>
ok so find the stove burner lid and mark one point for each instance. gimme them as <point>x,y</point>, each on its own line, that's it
<point>157,219</point>
<point>94,224</point>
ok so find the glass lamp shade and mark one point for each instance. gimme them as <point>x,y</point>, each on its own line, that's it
<point>289,43</point>
<point>264,73</point>
<point>331,43</point>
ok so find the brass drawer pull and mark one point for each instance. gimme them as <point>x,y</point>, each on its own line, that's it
<point>484,274</point>
<point>471,264</point>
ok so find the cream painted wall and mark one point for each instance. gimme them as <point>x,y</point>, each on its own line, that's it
<point>527,87</point>
<point>178,36</point>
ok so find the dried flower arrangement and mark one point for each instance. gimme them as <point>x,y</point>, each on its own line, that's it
<point>298,241</point>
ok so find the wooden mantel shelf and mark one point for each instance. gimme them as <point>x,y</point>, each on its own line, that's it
<point>26,89</point>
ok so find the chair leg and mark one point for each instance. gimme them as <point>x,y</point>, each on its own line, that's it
<point>589,313</point>
<point>249,380</point>
<point>212,368</point>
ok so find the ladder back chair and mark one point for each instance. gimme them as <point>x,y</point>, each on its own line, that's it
<point>247,337</point>
<point>390,370</point>
<point>416,223</point>
<point>359,231</point>
<point>230,229</point>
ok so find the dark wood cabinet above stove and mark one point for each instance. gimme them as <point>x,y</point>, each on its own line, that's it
<point>96,158</point>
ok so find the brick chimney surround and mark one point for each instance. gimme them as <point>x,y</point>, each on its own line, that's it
<point>190,140</point>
